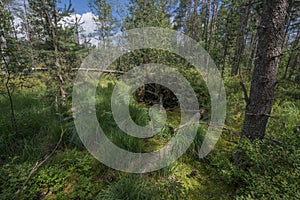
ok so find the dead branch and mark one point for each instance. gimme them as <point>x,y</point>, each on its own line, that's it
<point>78,69</point>
<point>247,99</point>
<point>38,164</point>
<point>263,114</point>
<point>100,70</point>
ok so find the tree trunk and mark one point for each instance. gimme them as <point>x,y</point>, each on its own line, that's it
<point>253,53</point>
<point>241,39</point>
<point>293,54</point>
<point>5,56</point>
<point>293,68</point>
<point>270,41</point>
<point>288,22</point>
<point>208,7</point>
<point>213,24</point>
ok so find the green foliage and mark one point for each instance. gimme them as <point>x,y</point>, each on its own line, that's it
<point>68,175</point>
<point>270,170</point>
<point>106,22</point>
<point>129,187</point>
<point>146,14</point>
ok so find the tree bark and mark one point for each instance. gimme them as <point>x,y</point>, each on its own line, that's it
<point>270,42</point>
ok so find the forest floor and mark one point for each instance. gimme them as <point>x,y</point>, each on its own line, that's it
<point>73,173</point>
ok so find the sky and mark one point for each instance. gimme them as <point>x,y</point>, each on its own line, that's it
<point>84,13</point>
<point>81,6</point>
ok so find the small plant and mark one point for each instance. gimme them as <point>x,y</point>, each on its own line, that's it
<point>128,188</point>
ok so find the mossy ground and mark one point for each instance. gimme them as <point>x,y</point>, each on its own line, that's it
<point>73,173</point>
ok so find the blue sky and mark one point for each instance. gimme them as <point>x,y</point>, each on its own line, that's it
<point>81,6</point>
<point>84,13</point>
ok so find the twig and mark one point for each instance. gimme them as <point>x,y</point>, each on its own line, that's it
<point>263,114</point>
<point>247,99</point>
<point>275,141</point>
<point>38,164</point>
<point>230,130</point>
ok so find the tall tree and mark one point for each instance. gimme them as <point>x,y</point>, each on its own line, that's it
<point>147,14</point>
<point>57,46</point>
<point>271,38</point>
<point>244,11</point>
<point>12,59</point>
<point>106,23</point>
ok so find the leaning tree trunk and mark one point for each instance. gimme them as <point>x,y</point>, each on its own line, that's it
<point>270,33</point>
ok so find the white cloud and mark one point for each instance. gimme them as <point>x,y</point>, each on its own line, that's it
<point>87,27</point>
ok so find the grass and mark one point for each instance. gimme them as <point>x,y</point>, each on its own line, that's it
<point>73,173</point>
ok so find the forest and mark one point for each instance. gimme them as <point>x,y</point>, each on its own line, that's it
<point>155,99</point>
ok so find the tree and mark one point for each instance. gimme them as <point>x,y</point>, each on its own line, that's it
<point>57,47</point>
<point>146,14</point>
<point>12,58</point>
<point>271,38</point>
<point>292,38</point>
<point>106,23</point>
<point>241,37</point>
<point>5,52</point>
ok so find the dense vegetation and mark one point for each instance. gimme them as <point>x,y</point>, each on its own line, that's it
<point>42,156</point>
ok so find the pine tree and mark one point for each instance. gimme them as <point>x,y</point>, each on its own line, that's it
<point>56,47</point>
<point>271,38</point>
<point>106,23</point>
<point>150,13</point>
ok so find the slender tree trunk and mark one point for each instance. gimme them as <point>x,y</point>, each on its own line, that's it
<point>207,23</point>
<point>288,22</point>
<point>292,56</point>
<point>241,39</point>
<point>294,66</point>
<point>214,18</point>
<point>12,107</point>
<point>288,66</point>
<point>260,102</point>
<point>5,54</point>
<point>76,31</point>
<point>253,53</point>
<point>10,98</point>
<point>225,46</point>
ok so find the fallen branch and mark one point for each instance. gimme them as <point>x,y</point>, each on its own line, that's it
<point>100,70</point>
<point>38,164</point>
<point>109,71</point>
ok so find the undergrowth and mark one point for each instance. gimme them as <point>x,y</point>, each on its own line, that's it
<point>270,170</point>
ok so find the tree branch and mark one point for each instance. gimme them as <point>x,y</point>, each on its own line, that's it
<point>38,164</point>
<point>247,99</point>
